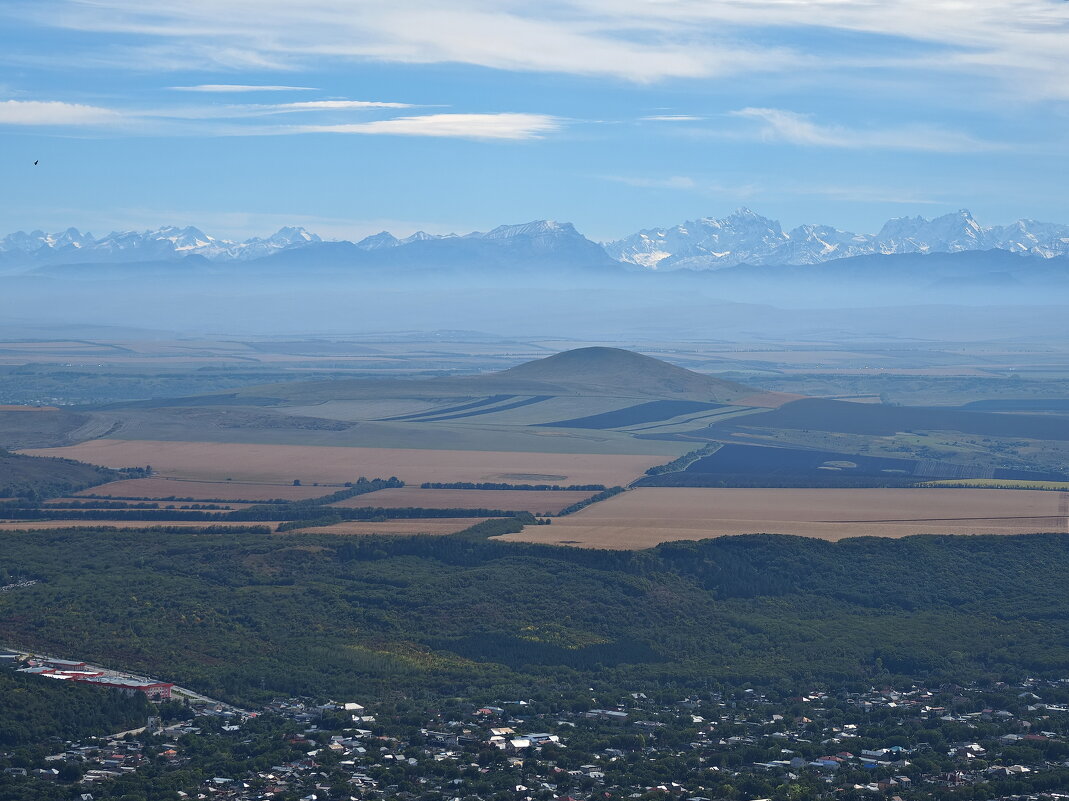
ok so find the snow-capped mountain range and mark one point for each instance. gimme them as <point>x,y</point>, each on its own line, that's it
<point>743,237</point>
<point>72,246</point>
<point>748,238</point>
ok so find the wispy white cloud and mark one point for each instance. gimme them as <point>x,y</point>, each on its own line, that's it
<point>54,112</point>
<point>208,120</point>
<point>672,118</point>
<point>332,105</point>
<point>779,125</point>
<point>464,126</point>
<point>573,36</point>
<point>1017,42</point>
<point>238,87</point>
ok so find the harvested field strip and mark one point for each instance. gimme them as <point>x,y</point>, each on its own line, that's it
<point>477,413</point>
<point>688,421</point>
<point>642,518</point>
<point>462,408</point>
<point>543,502</point>
<point>160,487</point>
<point>439,526</point>
<point>216,461</point>
<point>650,412</point>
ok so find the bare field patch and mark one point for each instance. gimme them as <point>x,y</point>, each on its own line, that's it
<point>437,526</point>
<point>216,461</point>
<point>537,502</point>
<point>153,488</point>
<point>643,518</point>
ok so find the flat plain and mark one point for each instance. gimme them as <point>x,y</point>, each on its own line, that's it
<point>642,518</point>
<point>537,502</point>
<point>217,461</point>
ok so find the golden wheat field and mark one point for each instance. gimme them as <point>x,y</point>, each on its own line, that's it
<point>537,502</point>
<point>642,518</point>
<point>217,461</point>
<point>158,487</point>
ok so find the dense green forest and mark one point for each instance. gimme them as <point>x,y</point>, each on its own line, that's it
<point>33,709</point>
<point>247,616</point>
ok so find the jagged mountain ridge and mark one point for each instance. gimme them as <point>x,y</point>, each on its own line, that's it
<point>169,242</point>
<point>742,238</point>
<point>745,237</point>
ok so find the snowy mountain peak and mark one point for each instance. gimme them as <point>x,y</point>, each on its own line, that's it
<point>534,228</point>
<point>383,239</point>
<point>292,235</point>
<point>419,236</point>
<point>745,237</point>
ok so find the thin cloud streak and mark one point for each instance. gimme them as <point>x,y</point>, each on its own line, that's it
<point>672,118</point>
<point>779,125</point>
<point>334,105</point>
<point>54,112</point>
<point>237,87</point>
<point>512,126</point>
<point>199,120</point>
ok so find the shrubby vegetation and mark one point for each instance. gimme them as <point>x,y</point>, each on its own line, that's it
<point>601,496</point>
<point>684,461</point>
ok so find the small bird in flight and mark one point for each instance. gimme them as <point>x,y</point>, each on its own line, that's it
<point>35,163</point>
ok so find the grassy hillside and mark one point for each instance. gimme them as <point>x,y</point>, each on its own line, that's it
<point>39,429</point>
<point>43,477</point>
<point>245,616</point>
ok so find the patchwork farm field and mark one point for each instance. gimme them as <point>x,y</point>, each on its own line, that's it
<point>217,461</point>
<point>536,502</point>
<point>642,518</point>
<point>159,487</point>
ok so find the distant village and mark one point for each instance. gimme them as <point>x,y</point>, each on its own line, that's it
<point>1000,742</point>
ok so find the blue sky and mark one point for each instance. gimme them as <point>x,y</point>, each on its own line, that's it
<point>350,116</point>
